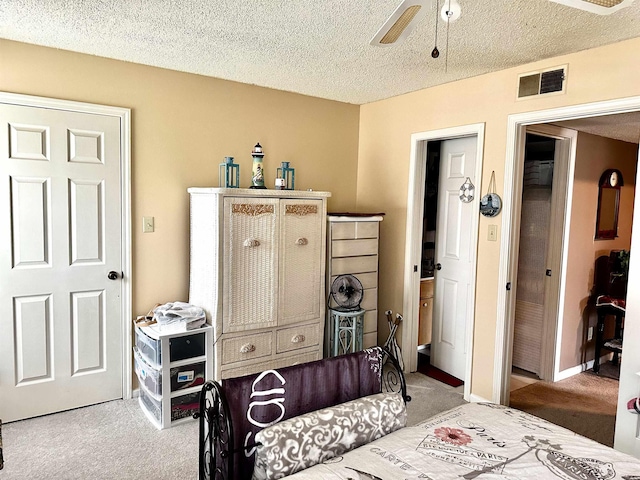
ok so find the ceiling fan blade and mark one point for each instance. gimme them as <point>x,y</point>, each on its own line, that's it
<point>601,7</point>
<point>401,22</point>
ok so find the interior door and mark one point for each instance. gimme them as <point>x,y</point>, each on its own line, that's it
<point>453,257</point>
<point>60,218</point>
<point>533,256</point>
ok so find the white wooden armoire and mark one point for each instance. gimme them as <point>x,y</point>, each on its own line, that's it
<point>257,268</point>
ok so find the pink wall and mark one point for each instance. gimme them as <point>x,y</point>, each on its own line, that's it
<point>594,155</point>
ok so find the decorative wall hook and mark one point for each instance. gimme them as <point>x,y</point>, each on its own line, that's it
<point>491,203</point>
<point>467,191</point>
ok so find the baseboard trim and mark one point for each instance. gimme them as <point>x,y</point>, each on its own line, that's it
<point>135,393</point>
<point>473,398</point>
<point>583,367</point>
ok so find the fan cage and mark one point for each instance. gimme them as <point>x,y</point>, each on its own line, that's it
<point>346,293</point>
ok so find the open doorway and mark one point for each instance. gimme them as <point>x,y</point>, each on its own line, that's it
<point>453,245</point>
<point>537,189</point>
<point>600,145</point>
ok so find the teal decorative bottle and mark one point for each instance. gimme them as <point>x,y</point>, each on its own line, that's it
<point>288,174</point>
<point>257,172</point>
<point>229,175</point>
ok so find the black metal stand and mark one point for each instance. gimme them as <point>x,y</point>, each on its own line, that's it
<point>611,344</point>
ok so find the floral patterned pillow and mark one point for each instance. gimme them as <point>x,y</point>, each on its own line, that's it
<point>301,442</point>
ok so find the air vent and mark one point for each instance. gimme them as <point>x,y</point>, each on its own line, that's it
<point>600,7</point>
<point>544,82</point>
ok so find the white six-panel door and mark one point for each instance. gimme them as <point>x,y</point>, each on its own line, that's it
<point>453,254</point>
<point>60,236</point>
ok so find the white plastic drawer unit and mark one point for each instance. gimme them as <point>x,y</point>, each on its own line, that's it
<point>180,348</point>
<point>149,348</point>
<point>148,376</point>
<point>187,376</point>
<point>182,406</point>
<point>152,405</point>
<point>187,346</point>
<point>171,368</point>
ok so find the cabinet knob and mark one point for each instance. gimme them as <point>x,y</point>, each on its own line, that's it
<point>247,348</point>
<point>251,242</point>
<point>425,304</point>
<point>302,241</point>
<point>297,338</point>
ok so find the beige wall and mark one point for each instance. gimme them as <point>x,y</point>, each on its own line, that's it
<point>593,156</point>
<point>385,128</point>
<point>182,127</point>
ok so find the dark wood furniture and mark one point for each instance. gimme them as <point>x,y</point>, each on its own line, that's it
<point>610,291</point>
<point>613,344</point>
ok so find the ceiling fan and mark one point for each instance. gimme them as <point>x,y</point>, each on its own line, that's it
<point>407,15</point>
<point>600,7</point>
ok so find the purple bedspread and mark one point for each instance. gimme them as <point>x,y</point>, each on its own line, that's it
<point>259,400</point>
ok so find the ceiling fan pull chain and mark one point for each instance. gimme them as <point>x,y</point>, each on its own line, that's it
<point>435,53</point>
<point>446,48</point>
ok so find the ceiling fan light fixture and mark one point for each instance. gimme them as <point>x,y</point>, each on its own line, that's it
<point>401,22</point>
<point>600,7</point>
<point>450,11</point>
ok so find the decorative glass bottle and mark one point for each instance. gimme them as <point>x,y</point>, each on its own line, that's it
<point>288,174</point>
<point>257,172</point>
<point>229,175</point>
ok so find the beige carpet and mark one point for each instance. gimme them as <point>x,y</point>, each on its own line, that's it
<point>584,403</point>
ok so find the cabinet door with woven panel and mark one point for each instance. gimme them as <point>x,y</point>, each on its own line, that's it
<point>301,260</point>
<point>251,236</point>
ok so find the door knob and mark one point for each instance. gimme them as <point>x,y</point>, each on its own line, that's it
<point>112,275</point>
<point>438,266</point>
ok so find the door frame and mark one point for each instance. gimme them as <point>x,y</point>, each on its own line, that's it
<point>124,116</point>
<point>516,130</point>
<point>413,243</point>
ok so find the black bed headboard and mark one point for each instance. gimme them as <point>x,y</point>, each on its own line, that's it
<point>232,413</point>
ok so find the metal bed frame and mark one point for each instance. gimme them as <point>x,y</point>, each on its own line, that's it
<point>216,453</point>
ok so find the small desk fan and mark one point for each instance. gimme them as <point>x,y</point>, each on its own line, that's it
<point>346,291</point>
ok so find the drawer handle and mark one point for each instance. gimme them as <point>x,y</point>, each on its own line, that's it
<point>247,348</point>
<point>251,242</point>
<point>302,241</point>
<point>297,338</point>
<point>425,304</point>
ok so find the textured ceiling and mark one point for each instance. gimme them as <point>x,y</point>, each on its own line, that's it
<point>318,48</point>
<point>624,126</point>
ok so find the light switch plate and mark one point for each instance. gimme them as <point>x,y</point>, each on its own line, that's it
<point>492,234</point>
<point>147,224</point>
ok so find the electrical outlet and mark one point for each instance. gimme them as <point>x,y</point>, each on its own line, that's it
<point>590,334</point>
<point>492,234</point>
<point>147,224</point>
